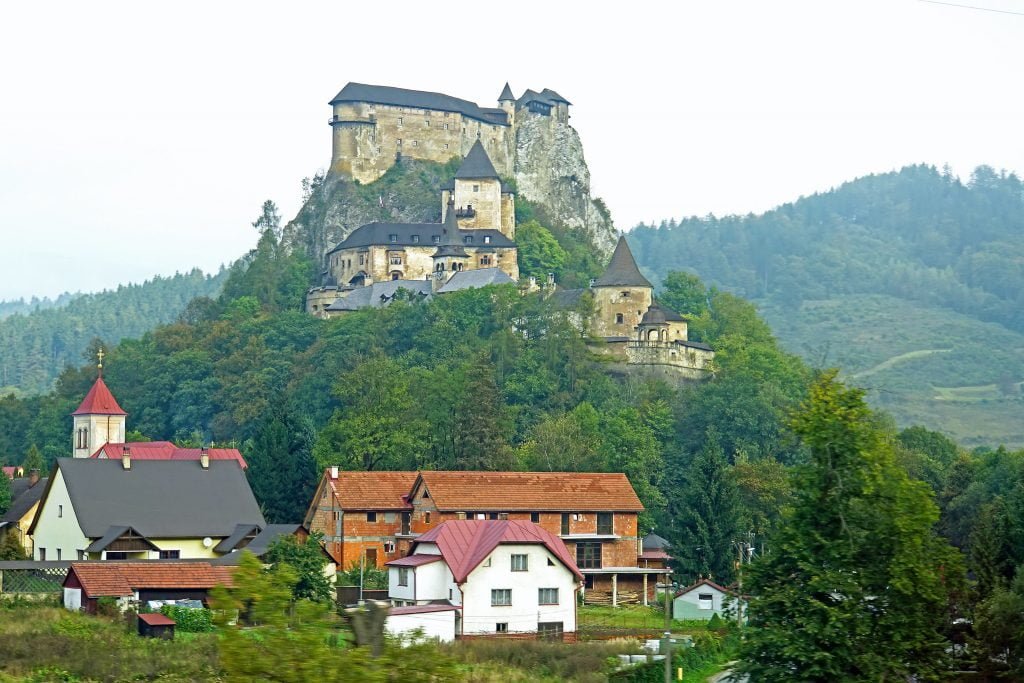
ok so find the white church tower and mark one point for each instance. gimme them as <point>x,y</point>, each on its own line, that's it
<point>99,419</point>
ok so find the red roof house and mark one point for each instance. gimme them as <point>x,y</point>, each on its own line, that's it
<point>165,450</point>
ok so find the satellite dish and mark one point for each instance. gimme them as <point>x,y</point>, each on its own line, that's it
<point>207,542</point>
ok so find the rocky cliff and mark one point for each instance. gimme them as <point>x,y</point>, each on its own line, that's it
<point>550,170</point>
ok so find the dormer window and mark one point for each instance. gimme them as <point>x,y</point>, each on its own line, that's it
<point>468,239</point>
<point>415,239</point>
<point>393,239</point>
<point>487,239</point>
<point>436,239</point>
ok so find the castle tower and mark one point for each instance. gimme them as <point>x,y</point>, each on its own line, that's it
<point>450,256</point>
<point>480,200</point>
<point>507,102</point>
<point>99,419</point>
<point>621,295</point>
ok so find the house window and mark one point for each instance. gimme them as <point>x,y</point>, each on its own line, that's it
<point>705,601</point>
<point>535,517</point>
<point>371,516</point>
<point>170,554</point>
<point>565,523</point>
<point>393,238</point>
<point>406,519</point>
<point>588,555</point>
<point>337,515</point>
<point>501,597</point>
<point>60,511</point>
<point>618,318</point>
<point>520,563</point>
<point>42,554</point>
<point>371,557</point>
<point>501,627</point>
<point>116,555</point>
<point>415,239</point>
<point>389,547</point>
<point>403,576</point>
<point>604,523</point>
<point>476,188</point>
<point>492,515</point>
<point>82,555</point>
<point>551,563</point>
<point>549,630</point>
<point>58,554</point>
<point>547,596</point>
<point>426,517</point>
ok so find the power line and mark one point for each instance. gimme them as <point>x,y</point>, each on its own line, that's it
<point>974,7</point>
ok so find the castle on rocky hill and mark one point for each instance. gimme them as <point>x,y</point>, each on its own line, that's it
<point>374,125</point>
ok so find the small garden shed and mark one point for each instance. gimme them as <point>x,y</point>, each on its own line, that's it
<point>156,626</point>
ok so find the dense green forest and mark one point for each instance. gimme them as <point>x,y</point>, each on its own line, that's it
<point>9,307</point>
<point>35,344</point>
<point>912,282</point>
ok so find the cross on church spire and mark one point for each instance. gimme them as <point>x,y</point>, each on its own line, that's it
<point>99,365</point>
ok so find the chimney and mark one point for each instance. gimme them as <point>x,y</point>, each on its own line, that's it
<point>334,472</point>
<point>33,477</point>
<point>126,458</point>
<point>204,458</point>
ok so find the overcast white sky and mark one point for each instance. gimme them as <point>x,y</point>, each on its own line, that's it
<point>141,138</point>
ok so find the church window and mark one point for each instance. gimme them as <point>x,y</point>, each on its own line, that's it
<point>393,238</point>
<point>415,239</point>
<point>618,318</point>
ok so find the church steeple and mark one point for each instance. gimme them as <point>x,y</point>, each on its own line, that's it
<point>99,419</point>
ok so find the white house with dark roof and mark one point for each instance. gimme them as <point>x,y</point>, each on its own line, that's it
<point>148,509</point>
<point>500,577</point>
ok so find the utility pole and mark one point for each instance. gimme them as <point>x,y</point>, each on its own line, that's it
<point>668,631</point>
<point>739,589</point>
<point>362,565</point>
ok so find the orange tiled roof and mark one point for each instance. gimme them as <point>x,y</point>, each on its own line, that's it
<point>165,450</point>
<point>372,490</point>
<point>118,579</point>
<point>533,491</point>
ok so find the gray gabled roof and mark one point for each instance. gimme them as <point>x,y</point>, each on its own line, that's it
<point>622,270</point>
<point>109,536</point>
<point>476,164</point>
<point>451,240</point>
<point>378,294</point>
<point>158,498</point>
<point>232,541</point>
<point>670,315</point>
<point>553,96</point>
<point>23,497</point>
<point>417,99</point>
<point>506,93</point>
<point>472,279</point>
<point>567,298</point>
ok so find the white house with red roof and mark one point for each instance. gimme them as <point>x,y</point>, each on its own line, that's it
<point>496,577</point>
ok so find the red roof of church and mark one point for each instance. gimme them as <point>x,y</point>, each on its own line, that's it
<point>465,543</point>
<point>99,401</point>
<point>165,450</point>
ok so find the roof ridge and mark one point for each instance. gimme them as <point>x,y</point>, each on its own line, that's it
<point>622,269</point>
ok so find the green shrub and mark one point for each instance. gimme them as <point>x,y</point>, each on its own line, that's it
<point>189,620</point>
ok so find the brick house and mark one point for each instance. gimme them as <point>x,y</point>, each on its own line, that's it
<point>594,514</point>
<point>360,514</point>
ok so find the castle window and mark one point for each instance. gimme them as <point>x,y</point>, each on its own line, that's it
<point>476,188</point>
<point>625,295</point>
<point>618,318</point>
<point>485,260</point>
<point>446,125</point>
<point>362,259</point>
<point>415,239</point>
<point>396,260</point>
<point>427,123</point>
<point>399,142</point>
<point>415,143</point>
<point>393,238</point>
<point>446,145</point>
<point>399,120</point>
<point>378,150</point>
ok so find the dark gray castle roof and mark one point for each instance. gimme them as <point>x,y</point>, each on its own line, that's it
<point>622,271</point>
<point>476,164</point>
<point>451,241</point>
<point>546,96</point>
<point>379,294</point>
<point>473,279</point>
<point>159,498</point>
<point>418,99</point>
<point>379,234</point>
<point>666,313</point>
<point>506,93</point>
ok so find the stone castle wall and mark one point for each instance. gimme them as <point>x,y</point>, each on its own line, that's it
<point>629,302</point>
<point>412,263</point>
<point>367,138</point>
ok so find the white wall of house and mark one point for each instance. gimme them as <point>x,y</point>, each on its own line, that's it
<point>73,599</point>
<point>525,610</point>
<point>425,583</point>
<point>58,528</point>
<point>434,625</point>
<point>702,602</point>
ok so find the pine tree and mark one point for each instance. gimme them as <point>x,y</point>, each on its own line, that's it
<point>282,471</point>
<point>5,493</point>
<point>33,460</point>
<point>857,585</point>
<point>708,513</point>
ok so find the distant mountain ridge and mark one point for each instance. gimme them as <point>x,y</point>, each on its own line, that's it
<point>884,267</point>
<point>40,337</point>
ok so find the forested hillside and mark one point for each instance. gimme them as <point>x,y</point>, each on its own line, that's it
<point>37,342</point>
<point>911,282</point>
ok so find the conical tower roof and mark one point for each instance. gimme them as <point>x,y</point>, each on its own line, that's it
<point>451,243</point>
<point>506,93</point>
<point>622,271</point>
<point>476,164</point>
<point>99,401</point>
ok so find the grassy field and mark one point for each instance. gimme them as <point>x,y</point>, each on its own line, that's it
<point>923,364</point>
